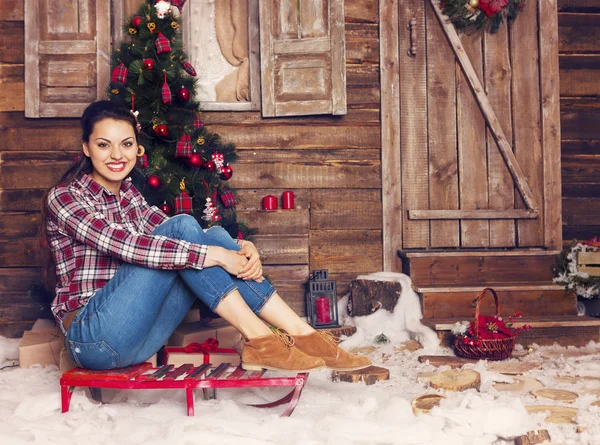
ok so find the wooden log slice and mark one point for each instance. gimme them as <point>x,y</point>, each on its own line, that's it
<point>533,437</point>
<point>363,350</point>
<point>454,380</point>
<point>555,394</point>
<point>521,384</point>
<point>513,368</point>
<point>410,345</point>
<point>596,403</point>
<point>441,360</point>
<point>575,379</point>
<point>558,414</point>
<point>368,375</point>
<point>553,353</point>
<point>347,331</point>
<point>424,403</point>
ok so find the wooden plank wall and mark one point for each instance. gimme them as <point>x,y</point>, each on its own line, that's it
<point>331,163</point>
<point>579,60</point>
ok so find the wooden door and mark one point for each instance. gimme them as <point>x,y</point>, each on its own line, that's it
<point>472,133</point>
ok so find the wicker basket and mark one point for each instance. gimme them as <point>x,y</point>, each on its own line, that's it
<point>484,349</point>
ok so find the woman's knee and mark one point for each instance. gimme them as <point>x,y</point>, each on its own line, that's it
<point>183,227</point>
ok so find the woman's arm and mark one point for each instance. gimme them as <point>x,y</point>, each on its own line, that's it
<point>76,219</point>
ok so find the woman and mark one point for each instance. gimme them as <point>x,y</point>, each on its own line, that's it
<point>127,274</point>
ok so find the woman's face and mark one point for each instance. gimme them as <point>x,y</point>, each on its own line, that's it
<point>112,150</point>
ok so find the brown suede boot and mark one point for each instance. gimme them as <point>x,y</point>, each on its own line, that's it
<point>278,353</point>
<point>323,344</point>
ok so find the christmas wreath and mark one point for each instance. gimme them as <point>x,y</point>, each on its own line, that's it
<point>474,15</point>
<point>584,284</point>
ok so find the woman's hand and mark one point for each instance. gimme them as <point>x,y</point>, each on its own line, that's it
<point>253,268</point>
<point>227,259</point>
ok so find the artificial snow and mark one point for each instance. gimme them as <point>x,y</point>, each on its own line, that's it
<point>328,413</point>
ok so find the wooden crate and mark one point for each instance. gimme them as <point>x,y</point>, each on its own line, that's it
<point>589,262</point>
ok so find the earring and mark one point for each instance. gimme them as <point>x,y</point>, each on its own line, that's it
<point>141,151</point>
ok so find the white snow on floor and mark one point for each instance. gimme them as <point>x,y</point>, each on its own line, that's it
<point>328,413</point>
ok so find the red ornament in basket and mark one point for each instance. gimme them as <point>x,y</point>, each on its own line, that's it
<point>487,337</point>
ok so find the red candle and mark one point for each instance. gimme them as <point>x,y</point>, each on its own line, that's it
<point>287,200</point>
<point>323,315</point>
<point>269,202</point>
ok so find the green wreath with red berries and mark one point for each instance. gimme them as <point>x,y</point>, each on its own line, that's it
<point>474,15</point>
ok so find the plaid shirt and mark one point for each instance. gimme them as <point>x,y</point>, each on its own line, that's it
<point>90,235</point>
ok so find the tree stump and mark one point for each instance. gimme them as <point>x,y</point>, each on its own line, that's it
<point>424,403</point>
<point>368,375</point>
<point>555,394</point>
<point>454,380</point>
<point>368,296</point>
<point>441,360</point>
<point>513,368</point>
<point>533,437</point>
<point>521,384</point>
<point>558,414</point>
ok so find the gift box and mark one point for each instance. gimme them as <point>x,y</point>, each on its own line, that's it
<point>41,347</point>
<point>199,332</point>
<point>200,353</point>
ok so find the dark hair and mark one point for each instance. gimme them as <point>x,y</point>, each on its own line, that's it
<point>94,113</point>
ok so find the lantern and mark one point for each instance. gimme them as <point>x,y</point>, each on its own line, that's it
<point>321,301</point>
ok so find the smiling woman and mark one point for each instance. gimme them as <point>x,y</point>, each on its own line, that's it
<point>127,274</point>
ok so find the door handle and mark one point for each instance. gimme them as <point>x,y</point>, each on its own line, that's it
<point>412,28</point>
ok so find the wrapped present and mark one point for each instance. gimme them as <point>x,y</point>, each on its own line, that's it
<point>41,347</point>
<point>200,353</point>
<point>199,332</point>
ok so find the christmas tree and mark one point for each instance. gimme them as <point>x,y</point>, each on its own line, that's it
<point>185,168</point>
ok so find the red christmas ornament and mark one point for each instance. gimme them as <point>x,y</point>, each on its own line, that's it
<point>136,21</point>
<point>153,181</point>
<point>142,161</point>
<point>183,203</point>
<point>161,130</point>
<point>197,122</point>
<point>188,68</point>
<point>166,91</point>
<point>226,172</point>
<point>166,208</point>
<point>184,147</point>
<point>240,235</point>
<point>148,64</point>
<point>178,3</point>
<point>195,160</point>
<point>210,165</point>
<point>183,95</point>
<point>162,44</point>
<point>119,73</point>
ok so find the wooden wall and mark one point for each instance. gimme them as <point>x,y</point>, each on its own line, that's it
<point>579,46</point>
<point>331,163</point>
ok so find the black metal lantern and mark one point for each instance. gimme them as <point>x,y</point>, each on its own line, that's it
<point>321,301</point>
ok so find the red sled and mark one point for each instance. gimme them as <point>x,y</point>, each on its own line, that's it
<point>188,377</point>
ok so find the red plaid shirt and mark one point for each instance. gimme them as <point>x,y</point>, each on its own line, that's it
<point>91,235</point>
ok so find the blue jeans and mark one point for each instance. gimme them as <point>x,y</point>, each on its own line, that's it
<point>131,317</point>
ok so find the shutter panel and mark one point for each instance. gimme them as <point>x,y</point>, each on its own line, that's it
<point>67,50</point>
<point>303,57</point>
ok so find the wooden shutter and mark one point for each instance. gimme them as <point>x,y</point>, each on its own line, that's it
<point>67,55</point>
<point>302,48</point>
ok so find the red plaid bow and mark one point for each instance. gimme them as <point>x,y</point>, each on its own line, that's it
<point>119,73</point>
<point>209,345</point>
<point>162,44</point>
<point>184,147</point>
